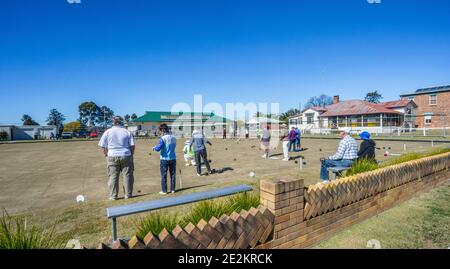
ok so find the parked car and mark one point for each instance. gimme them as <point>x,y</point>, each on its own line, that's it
<point>66,135</point>
<point>93,135</point>
<point>81,134</point>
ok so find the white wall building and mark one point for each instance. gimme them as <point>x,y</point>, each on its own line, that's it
<point>28,132</point>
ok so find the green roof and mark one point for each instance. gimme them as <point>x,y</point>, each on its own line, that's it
<point>164,116</point>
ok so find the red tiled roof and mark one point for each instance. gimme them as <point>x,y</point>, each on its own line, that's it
<point>356,107</point>
<point>396,104</point>
<point>316,108</point>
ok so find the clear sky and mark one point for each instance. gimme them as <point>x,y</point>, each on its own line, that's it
<point>138,55</point>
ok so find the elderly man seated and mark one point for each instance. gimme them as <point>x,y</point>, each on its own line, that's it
<point>346,154</point>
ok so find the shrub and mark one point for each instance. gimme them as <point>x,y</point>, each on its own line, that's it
<point>208,209</point>
<point>3,135</point>
<point>361,166</point>
<point>14,234</point>
<point>242,201</point>
<point>205,210</point>
<point>401,159</point>
<point>155,223</point>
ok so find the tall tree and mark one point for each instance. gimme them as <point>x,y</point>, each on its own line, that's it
<point>127,118</point>
<point>89,112</point>
<point>105,116</point>
<point>373,97</point>
<point>27,120</point>
<point>291,112</point>
<point>134,116</point>
<point>321,101</point>
<point>56,118</point>
<point>73,126</point>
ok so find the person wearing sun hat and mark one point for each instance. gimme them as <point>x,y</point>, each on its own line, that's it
<point>367,147</point>
<point>188,153</point>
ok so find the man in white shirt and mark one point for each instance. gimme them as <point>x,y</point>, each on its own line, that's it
<point>118,148</point>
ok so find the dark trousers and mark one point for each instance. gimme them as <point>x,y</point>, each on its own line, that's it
<point>172,167</point>
<point>201,154</point>
<point>292,145</point>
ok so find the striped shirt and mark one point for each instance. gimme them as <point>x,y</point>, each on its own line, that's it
<point>348,149</point>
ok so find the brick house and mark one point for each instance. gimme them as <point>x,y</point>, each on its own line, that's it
<point>433,106</point>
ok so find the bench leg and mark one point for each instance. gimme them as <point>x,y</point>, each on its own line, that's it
<point>114,229</point>
<point>334,176</point>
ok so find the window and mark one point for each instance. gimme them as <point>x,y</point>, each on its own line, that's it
<point>433,100</point>
<point>428,119</point>
<point>309,118</point>
<point>411,98</point>
<point>180,128</point>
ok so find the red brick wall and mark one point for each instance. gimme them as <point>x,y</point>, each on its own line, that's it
<point>442,107</point>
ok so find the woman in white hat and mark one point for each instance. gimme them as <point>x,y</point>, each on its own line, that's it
<point>188,153</point>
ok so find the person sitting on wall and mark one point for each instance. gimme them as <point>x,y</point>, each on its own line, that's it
<point>367,147</point>
<point>346,154</point>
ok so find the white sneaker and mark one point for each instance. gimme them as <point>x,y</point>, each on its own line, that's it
<point>264,156</point>
<point>112,198</point>
<point>285,160</point>
<point>199,175</point>
<point>187,164</point>
<point>172,192</point>
<point>162,193</point>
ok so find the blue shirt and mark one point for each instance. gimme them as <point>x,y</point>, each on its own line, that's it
<point>198,140</point>
<point>166,146</point>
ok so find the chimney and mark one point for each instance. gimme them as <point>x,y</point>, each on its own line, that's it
<point>335,99</point>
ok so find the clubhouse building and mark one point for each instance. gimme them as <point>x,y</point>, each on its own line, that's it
<point>28,132</point>
<point>357,116</point>
<point>182,123</point>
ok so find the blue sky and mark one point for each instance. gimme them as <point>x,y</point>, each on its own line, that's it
<point>139,55</point>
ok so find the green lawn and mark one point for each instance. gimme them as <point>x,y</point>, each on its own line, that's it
<point>423,222</point>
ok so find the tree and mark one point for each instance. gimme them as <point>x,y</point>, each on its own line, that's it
<point>127,118</point>
<point>56,118</point>
<point>105,116</point>
<point>134,116</point>
<point>27,120</point>
<point>89,112</point>
<point>73,126</point>
<point>320,101</point>
<point>373,97</point>
<point>291,112</point>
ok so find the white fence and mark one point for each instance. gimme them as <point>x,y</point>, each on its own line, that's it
<point>385,131</point>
